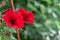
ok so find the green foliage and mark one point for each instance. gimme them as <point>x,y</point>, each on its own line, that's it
<point>47,20</point>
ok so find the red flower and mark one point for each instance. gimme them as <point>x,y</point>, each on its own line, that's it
<point>28,16</point>
<point>13,20</point>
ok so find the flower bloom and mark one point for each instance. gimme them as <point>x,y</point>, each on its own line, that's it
<point>13,19</point>
<point>16,20</point>
<point>28,17</point>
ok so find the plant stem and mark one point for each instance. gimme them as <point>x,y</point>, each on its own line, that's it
<point>12,4</point>
<point>17,31</point>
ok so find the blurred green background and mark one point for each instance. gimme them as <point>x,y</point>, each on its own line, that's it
<point>47,20</point>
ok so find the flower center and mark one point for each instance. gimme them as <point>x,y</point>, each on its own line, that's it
<point>12,22</point>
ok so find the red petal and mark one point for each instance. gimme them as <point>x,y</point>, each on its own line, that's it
<point>10,14</point>
<point>23,12</point>
<point>28,16</point>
